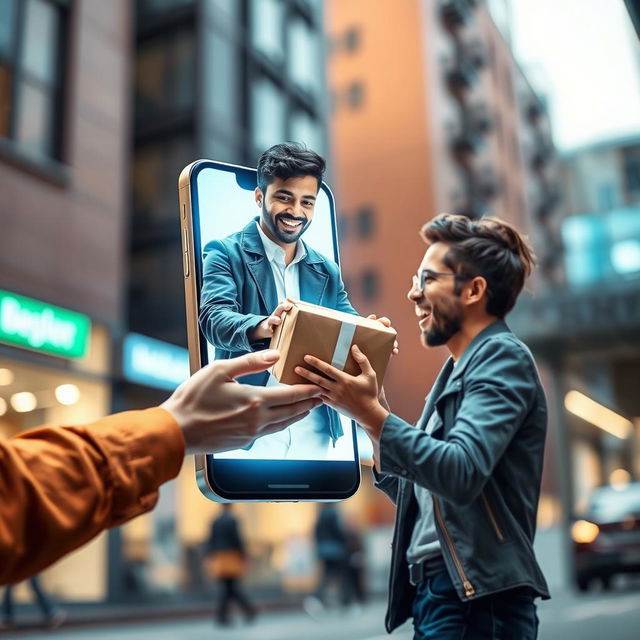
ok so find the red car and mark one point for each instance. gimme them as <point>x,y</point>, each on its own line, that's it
<point>607,540</point>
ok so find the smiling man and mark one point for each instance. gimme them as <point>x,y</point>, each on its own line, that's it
<point>466,478</point>
<point>248,276</point>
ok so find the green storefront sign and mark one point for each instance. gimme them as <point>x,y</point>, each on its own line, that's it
<point>42,327</point>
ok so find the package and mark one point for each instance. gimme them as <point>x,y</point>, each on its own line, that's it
<point>308,329</point>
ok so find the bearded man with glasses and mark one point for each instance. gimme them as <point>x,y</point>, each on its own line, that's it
<point>465,479</point>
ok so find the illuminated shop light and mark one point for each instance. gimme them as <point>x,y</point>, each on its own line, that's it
<point>619,478</point>
<point>67,394</point>
<point>3,406</point>
<point>6,377</point>
<point>597,414</point>
<point>584,531</point>
<point>23,402</point>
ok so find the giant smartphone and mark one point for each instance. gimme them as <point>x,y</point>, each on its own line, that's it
<point>315,459</point>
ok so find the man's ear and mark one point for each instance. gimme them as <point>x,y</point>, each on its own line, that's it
<point>475,290</point>
<point>259,196</point>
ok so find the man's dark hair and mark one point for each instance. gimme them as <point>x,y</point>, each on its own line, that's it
<point>289,160</point>
<point>488,247</point>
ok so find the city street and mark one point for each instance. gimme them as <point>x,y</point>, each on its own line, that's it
<point>614,616</point>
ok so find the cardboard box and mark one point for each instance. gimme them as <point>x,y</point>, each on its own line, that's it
<point>309,329</point>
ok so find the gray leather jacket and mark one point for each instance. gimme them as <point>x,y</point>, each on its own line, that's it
<point>483,465</point>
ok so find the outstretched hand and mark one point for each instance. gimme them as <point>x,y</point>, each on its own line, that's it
<point>387,323</point>
<point>217,413</point>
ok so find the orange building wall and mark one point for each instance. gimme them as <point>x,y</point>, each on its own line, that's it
<point>382,157</point>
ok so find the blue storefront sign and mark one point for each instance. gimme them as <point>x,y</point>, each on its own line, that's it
<point>154,363</point>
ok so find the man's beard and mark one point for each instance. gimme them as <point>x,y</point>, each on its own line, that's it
<point>450,324</point>
<point>272,225</point>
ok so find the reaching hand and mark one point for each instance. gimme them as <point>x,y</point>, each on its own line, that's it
<point>387,323</point>
<point>355,396</point>
<point>217,413</point>
<point>265,329</point>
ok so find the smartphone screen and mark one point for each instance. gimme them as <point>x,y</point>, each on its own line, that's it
<point>232,279</point>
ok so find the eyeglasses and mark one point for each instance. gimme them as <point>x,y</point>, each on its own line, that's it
<point>428,274</point>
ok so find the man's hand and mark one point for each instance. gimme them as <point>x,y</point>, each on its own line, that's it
<point>387,323</point>
<point>216,413</point>
<point>355,396</point>
<point>265,329</point>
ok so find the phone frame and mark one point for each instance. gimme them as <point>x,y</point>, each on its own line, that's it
<point>204,463</point>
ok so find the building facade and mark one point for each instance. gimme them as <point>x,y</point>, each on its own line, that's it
<point>63,163</point>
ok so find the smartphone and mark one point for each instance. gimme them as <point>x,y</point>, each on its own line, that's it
<point>315,459</point>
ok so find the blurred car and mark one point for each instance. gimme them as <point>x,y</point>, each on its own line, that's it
<point>607,541</point>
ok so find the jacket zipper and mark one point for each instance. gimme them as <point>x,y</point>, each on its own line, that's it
<point>494,522</point>
<point>468,587</point>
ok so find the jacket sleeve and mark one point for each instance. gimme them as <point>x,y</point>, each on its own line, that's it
<point>221,320</point>
<point>61,486</point>
<point>499,393</point>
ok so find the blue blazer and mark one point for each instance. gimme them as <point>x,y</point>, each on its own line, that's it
<point>239,292</point>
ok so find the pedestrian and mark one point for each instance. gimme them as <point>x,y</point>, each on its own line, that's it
<point>61,486</point>
<point>227,561</point>
<point>356,563</point>
<point>53,616</point>
<point>331,550</point>
<point>466,481</point>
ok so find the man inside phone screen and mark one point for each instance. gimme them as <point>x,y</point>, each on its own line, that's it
<point>248,275</point>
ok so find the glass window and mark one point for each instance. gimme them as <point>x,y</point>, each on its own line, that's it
<point>41,37</point>
<point>355,94</point>
<point>365,222</point>
<point>304,66</point>
<point>165,75</point>
<point>369,285</point>
<point>222,80</point>
<point>34,126</point>
<point>267,114</point>
<point>7,32</point>
<point>30,78</point>
<point>305,129</point>
<point>151,7</point>
<point>266,28</point>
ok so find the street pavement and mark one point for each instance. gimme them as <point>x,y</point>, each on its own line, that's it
<point>596,616</point>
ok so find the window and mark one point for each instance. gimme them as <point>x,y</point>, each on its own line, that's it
<point>369,284</point>
<point>304,64</point>
<point>31,78</point>
<point>355,94</point>
<point>307,130</point>
<point>606,196</point>
<point>147,8</point>
<point>267,114</point>
<point>164,78</point>
<point>352,39</point>
<point>632,170</point>
<point>222,80</point>
<point>266,28</point>
<point>365,222</point>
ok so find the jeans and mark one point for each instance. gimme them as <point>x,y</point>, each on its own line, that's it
<point>438,613</point>
<point>45,603</point>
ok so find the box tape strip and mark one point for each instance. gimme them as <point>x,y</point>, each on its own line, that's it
<point>341,352</point>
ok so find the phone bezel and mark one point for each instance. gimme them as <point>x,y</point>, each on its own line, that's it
<point>340,479</point>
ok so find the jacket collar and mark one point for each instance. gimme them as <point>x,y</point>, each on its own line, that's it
<point>499,326</point>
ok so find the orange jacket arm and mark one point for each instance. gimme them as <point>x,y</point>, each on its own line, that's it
<point>61,486</point>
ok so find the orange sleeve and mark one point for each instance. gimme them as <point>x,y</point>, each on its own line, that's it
<point>61,486</point>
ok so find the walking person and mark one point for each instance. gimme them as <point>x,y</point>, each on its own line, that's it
<point>465,479</point>
<point>53,616</point>
<point>228,564</point>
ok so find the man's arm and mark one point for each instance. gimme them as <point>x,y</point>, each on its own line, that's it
<point>61,486</point>
<point>221,316</point>
<point>498,395</point>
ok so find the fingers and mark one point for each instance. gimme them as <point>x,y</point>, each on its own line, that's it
<point>285,305</point>
<point>315,378</point>
<point>372,316</point>
<point>279,426</point>
<point>286,412</point>
<point>324,367</point>
<point>362,361</point>
<point>280,396</point>
<point>385,321</point>
<point>249,363</point>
